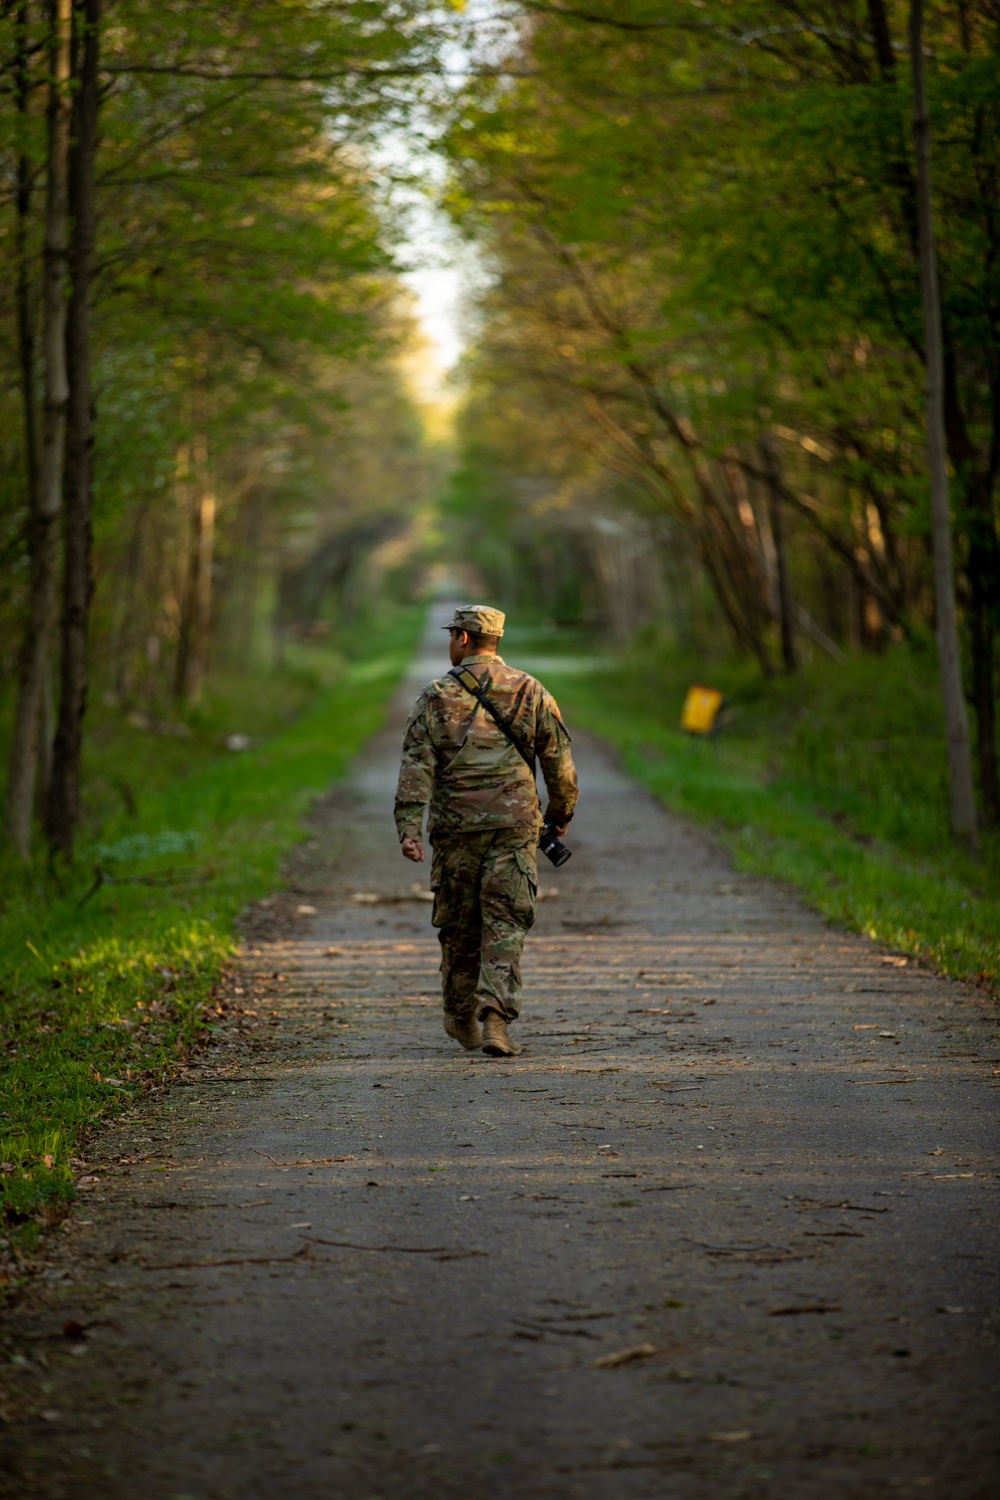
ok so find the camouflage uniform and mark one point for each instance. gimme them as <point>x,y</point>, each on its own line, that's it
<point>484,821</point>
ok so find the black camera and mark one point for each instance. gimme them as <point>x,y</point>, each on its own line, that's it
<point>551,846</point>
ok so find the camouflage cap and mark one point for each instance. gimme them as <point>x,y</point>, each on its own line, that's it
<point>477,619</point>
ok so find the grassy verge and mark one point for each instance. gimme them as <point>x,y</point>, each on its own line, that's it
<point>101,996</point>
<point>833,780</point>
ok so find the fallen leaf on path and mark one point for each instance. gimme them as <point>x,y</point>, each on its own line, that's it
<point>745,1249</point>
<point>731,1437</point>
<point>305,911</point>
<point>623,1357</point>
<point>372,898</point>
<point>537,1327</point>
<point>811,1307</point>
<point>810,1205</point>
<point>303,1253</point>
<point>308,1161</point>
<point>443,1250</point>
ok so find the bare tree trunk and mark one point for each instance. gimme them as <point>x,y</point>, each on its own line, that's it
<point>984,602</point>
<point>46,732</point>
<point>963,802</point>
<point>786,606</point>
<point>196,608</point>
<point>25,301</point>
<point>47,500</point>
<point>129,616</point>
<point>882,39</point>
<point>63,802</point>
<point>203,601</point>
<point>245,622</point>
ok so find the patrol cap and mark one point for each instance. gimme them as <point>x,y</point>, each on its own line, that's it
<point>477,619</point>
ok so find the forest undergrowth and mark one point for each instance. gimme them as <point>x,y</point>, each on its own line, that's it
<point>103,991</point>
<point>833,780</point>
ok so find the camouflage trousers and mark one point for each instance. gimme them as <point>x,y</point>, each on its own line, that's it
<point>485,887</point>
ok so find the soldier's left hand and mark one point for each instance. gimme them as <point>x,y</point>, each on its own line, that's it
<point>413,849</point>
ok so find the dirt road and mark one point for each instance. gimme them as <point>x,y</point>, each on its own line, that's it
<point>745,1155</point>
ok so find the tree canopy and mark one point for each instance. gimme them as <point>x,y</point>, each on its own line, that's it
<point>702,224</point>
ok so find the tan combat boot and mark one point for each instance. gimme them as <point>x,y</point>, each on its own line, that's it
<point>464,1029</point>
<point>497,1041</point>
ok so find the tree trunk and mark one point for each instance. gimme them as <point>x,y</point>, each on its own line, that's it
<point>786,606</point>
<point>963,804</point>
<point>26,340</point>
<point>47,500</point>
<point>196,606</point>
<point>882,39</point>
<point>984,602</point>
<point>203,601</point>
<point>63,805</point>
<point>982,570</point>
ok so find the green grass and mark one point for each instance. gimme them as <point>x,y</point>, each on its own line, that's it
<point>98,1000</point>
<point>833,780</point>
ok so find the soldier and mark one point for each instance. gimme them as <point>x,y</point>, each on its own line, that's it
<point>484,822</point>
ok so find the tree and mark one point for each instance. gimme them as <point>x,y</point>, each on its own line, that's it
<point>217,231</point>
<point>63,801</point>
<point>963,801</point>
<point>705,234</point>
<point>28,738</point>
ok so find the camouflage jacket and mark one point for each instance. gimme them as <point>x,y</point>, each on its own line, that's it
<point>458,760</point>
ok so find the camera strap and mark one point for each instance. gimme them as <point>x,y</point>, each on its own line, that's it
<point>470,682</point>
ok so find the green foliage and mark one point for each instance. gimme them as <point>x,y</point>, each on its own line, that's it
<point>83,1041</point>
<point>701,223</point>
<point>833,782</point>
<point>102,996</point>
<point>246,311</point>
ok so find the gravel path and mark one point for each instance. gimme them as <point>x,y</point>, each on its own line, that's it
<point>727,1228</point>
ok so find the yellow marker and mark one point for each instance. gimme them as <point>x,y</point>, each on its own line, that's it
<point>701,709</point>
